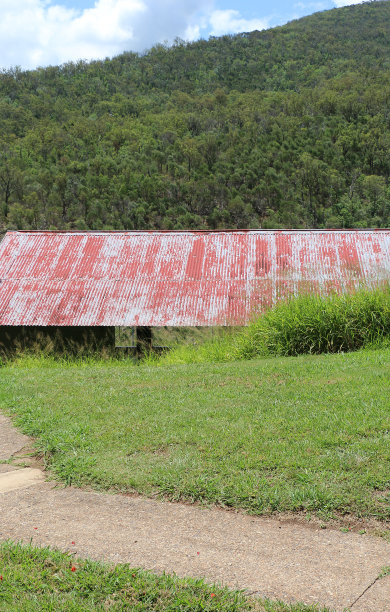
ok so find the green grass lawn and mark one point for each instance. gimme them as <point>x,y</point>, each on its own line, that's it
<point>42,579</point>
<point>282,434</point>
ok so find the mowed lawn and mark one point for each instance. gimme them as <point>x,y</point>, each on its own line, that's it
<point>300,433</point>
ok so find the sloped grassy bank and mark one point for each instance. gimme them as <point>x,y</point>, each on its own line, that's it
<point>307,324</point>
<point>307,433</point>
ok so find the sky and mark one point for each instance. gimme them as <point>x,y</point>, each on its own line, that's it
<point>50,32</point>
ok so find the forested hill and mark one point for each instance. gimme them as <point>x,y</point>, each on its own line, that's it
<point>289,127</point>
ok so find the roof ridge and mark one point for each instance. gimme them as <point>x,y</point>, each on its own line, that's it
<point>217,231</point>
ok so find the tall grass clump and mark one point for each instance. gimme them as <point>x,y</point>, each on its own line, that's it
<point>47,355</point>
<point>217,349</point>
<point>30,360</point>
<point>315,324</point>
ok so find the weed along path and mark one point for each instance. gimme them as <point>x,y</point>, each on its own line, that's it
<point>265,556</point>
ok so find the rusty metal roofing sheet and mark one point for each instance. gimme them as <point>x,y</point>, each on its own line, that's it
<point>177,278</point>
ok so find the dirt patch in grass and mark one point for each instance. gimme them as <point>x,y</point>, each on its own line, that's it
<point>28,457</point>
<point>348,523</point>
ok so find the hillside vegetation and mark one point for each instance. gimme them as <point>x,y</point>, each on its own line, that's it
<point>283,128</point>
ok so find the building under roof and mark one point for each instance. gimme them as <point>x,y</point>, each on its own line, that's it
<point>186,278</point>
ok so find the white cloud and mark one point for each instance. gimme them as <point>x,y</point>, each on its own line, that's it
<point>230,21</point>
<point>40,32</point>
<point>311,6</point>
<point>340,3</point>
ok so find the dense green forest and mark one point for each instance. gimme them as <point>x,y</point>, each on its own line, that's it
<point>288,127</point>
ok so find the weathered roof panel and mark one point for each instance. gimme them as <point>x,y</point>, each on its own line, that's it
<point>177,278</point>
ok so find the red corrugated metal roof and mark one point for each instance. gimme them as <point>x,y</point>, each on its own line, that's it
<point>177,278</point>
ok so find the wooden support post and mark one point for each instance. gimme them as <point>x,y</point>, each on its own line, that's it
<point>144,340</point>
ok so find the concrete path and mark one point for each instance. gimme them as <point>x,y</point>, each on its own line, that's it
<point>265,556</point>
